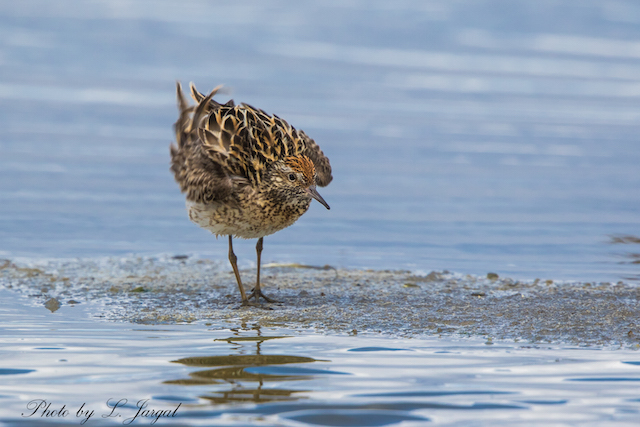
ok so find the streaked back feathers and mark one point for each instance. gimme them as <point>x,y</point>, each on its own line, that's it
<point>223,146</point>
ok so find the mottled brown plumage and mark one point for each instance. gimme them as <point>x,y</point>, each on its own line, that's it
<point>245,173</point>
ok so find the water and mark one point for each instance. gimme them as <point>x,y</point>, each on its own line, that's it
<point>470,136</point>
<point>252,375</point>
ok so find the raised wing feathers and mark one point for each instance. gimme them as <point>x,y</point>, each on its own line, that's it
<point>219,145</point>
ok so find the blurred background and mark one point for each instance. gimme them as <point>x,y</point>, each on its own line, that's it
<point>469,135</point>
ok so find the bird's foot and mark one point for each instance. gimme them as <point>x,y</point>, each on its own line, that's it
<point>260,294</point>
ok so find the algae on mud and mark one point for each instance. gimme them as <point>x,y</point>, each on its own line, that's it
<point>177,289</point>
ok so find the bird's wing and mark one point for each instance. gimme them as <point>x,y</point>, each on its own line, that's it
<point>201,176</point>
<point>244,140</point>
<point>274,139</point>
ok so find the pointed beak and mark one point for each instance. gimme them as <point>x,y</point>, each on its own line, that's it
<point>314,193</point>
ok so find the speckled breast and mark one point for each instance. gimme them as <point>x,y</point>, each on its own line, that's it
<point>247,222</point>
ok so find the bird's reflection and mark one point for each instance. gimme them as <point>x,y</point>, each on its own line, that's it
<point>232,377</point>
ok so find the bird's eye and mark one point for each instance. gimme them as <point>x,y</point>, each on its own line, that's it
<point>292,177</point>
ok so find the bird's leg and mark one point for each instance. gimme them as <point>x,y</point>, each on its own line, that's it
<point>256,291</point>
<point>233,260</point>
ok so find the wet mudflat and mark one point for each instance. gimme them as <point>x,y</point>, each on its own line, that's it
<point>396,303</point>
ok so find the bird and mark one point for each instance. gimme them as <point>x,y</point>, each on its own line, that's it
<point>245,173</point>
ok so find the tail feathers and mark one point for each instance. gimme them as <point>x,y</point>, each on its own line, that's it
<point>201,110</point>
<point>184,122</point>
<point>199,96</point>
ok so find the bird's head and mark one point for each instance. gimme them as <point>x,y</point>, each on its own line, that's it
<point>296,176</point>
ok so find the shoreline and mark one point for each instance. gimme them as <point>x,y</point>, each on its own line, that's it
<point>161,290</point>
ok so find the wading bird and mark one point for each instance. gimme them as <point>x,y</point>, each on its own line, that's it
<point>245,173</point>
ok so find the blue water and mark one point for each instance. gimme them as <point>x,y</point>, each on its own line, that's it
<point>472,136</point>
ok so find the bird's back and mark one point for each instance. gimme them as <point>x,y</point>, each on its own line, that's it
<point>223,147</point>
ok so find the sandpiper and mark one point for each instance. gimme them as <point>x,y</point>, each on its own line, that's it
<point>245,173</point>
